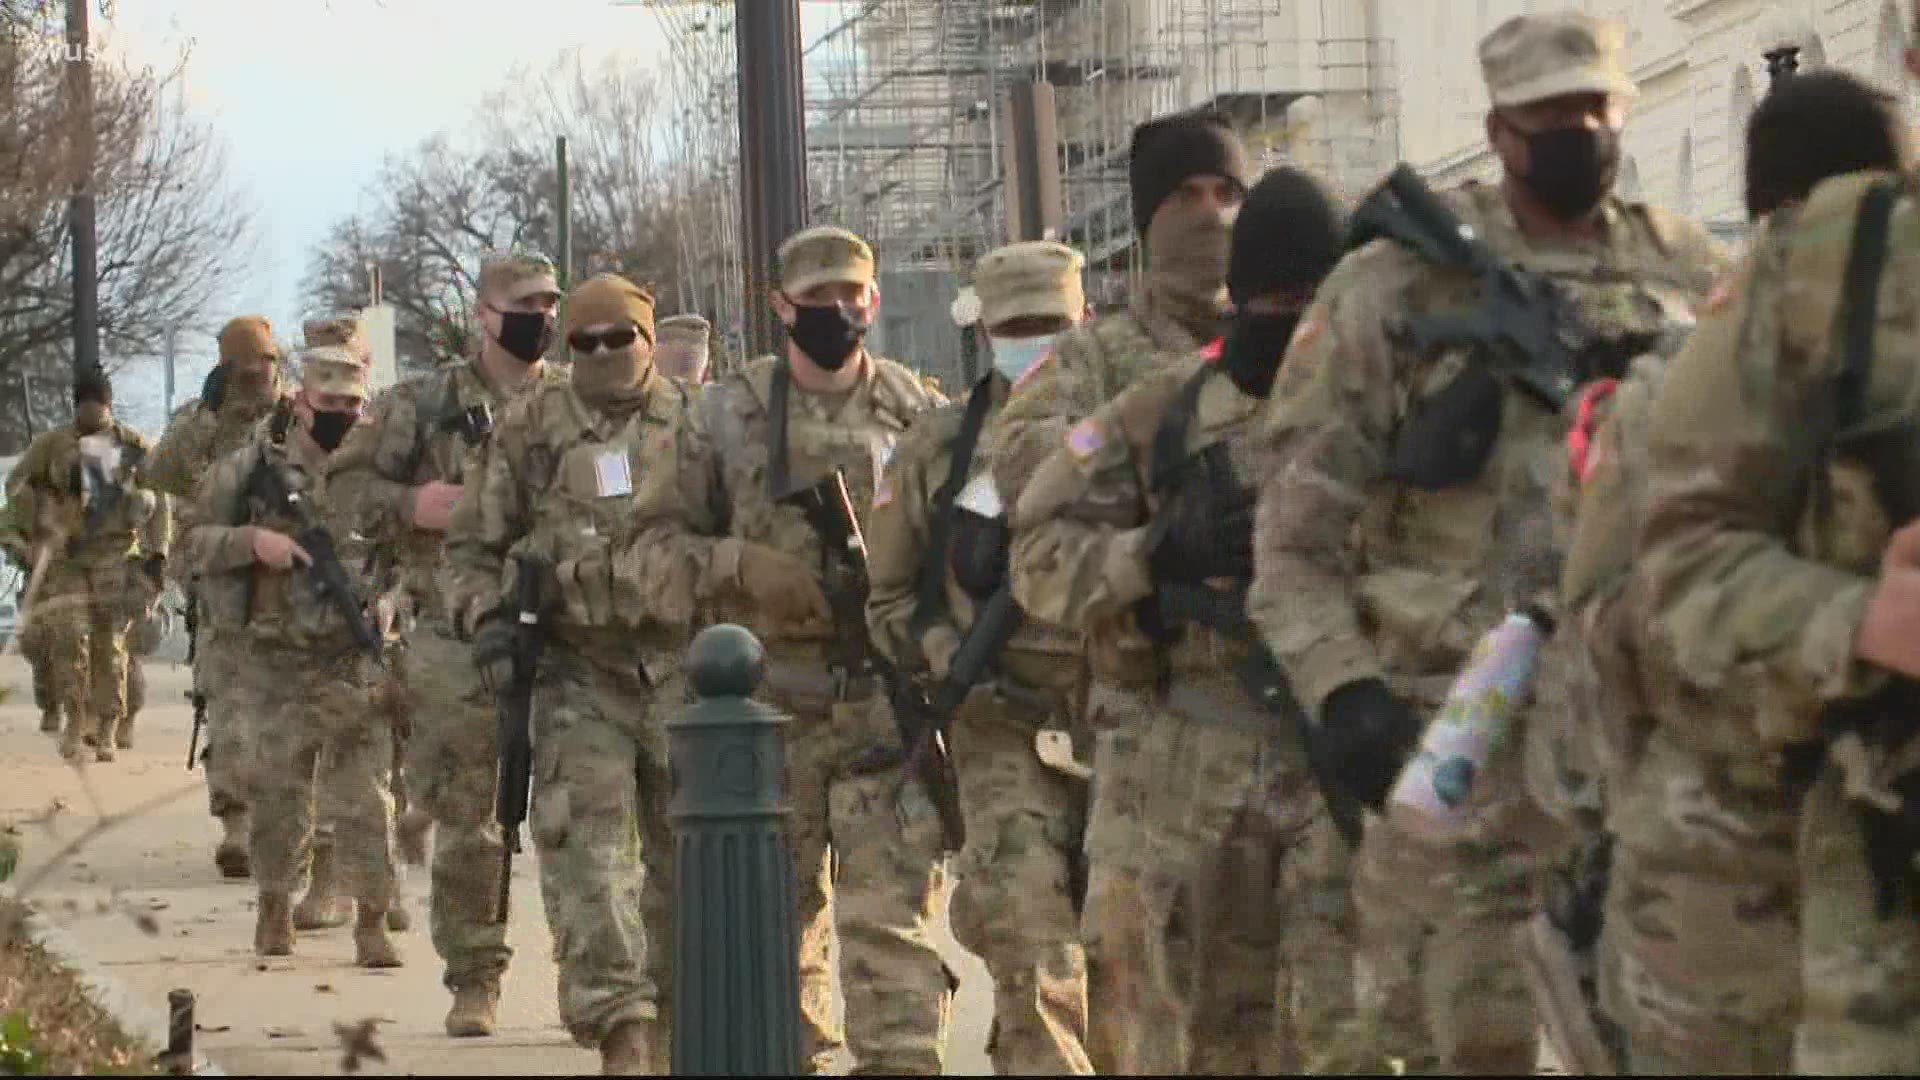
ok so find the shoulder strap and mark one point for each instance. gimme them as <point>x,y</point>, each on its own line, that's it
<point>932,600</point>
<point>777,429</point>
<point>1170,438</point>
<point>1860,303</point>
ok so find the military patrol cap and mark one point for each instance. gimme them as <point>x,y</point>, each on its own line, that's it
<point>1531,58</point>
<point>689,329</point>
<point>247,337</point>
<point>1033,277</point>
<point>332,369</point>
<point>517,275</point>
<point>343,331</point>
<point>822,255</point>
<point>609,298</point>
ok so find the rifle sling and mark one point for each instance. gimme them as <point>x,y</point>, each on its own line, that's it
<point>931,604</point>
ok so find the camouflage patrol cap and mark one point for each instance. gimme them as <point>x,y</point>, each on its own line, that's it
<point>332,369</point>
<point>822,255</point>
<point>1033,277</point>
<point>247,337</point>
<point>1531,58</point>
<point>343,331</point>
<point>689,329</point>
<point>517,275</point>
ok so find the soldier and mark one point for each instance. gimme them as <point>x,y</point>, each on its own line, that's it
<point>1690,1001</point>
<point>1393,533</point>
<point>683,348</point>
<point>33,647</point>
<point>104,538</point>
<point>401,470</point>
<point>1213,865</point>
<point>803,436</point>
<point>307,677</point>
<point>607,481</point>
<point>1188,176</point>
<point>937,547</point>
<point>239,393</point>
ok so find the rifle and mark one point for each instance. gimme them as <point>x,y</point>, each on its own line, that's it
<point>513,719</point>
<point>191,616</point>
<point>1523,327</point>
<point>327,574</point>
<point>1225,613</point>
<point>829,512</point>
<point>925,717</point>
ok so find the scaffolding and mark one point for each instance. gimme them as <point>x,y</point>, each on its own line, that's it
<point>903,147</point>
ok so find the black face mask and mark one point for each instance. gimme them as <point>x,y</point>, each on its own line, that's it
<point>827,333</point>
<point>1251,351</point>
<point>1570,169</point>
<point>328,428</point>
<point>526,334</point>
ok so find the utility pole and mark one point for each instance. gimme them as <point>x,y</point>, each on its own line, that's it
<point>173,332</point>
<point>80,209</point>
<point>563,275</point>
<point>773,149</point>
<point>1033,162</point>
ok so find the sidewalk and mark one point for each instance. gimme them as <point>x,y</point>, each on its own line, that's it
<point>154,913</point>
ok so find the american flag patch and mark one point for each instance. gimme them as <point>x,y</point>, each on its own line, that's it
<point>1086,439</point>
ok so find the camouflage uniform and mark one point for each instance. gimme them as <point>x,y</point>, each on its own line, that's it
<point>1015,904</point>
<point>1361,576</point>
<point>637,565</point>
<point>198,435</point>
<point>94,585</point>
<point>306,685</point>
<point>418,432</point>
<point>1766,521</point>
<point>875,865</point>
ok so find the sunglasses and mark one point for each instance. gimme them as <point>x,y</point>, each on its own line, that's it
<point>581,341</point>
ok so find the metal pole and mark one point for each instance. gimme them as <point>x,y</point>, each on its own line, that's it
<point>173,332</point>
<point>564,257</point>
<point>773,149</point>
<point>80,209</point>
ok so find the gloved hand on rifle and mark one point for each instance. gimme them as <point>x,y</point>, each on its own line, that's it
<point>783,587</point>
<point>1193,541</point>
<point>1365,735</point>
<point>493,646</point>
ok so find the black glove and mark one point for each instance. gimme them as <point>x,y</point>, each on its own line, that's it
<point>1893,842</point>
<point>155,567</point>
<point>1366,736</point>
<point>1193,541</point>
<point>493,644</point>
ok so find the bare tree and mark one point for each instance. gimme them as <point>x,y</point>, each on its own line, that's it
<point>171,233</point>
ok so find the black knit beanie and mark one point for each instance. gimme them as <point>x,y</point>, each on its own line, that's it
<point>1168,150</point>
<point>1286,236</point>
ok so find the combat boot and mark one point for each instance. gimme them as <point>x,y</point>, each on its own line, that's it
<point>475,1005</point>
<point>72,747</point>
<point>50,721</point>
<point>322,907</point>
<point>372,948</point>
<point>231,855</point>
<point>123,732</point>
<point>627,1050</point>
<point>273,926</point>
<point>399,919</point>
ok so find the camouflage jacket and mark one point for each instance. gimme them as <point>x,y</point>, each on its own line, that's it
<point>279,608</point>
<point>195,438</point>
<point>57,508</point>
<point>1362,576</point>
<point>898,534</point>
<point>856,435</point>
<point>1762,541</point>
<point>624,509</point>
<point>415,433</point>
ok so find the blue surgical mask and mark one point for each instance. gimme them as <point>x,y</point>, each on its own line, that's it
<point>1013,357</point>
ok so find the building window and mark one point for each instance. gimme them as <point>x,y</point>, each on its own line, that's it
<point>1739,108</point>
<point>1683,181</point>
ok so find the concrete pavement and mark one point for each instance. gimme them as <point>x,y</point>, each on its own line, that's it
<point>147,903</point>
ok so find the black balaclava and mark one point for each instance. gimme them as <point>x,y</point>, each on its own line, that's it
<point>1285,240</point>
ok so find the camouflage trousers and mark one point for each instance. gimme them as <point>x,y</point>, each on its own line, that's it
<point>870,877</point>
<point>1860,973</point>
<point>598,819</point>
<point>1217,927</point>
<point>452,769</point>
<point>316,740</point>
<point>219,663</point>
<point>1699,947</point>
<point>87,626</point>
<point>1440,979</point>
<point>1014,902</point>
<point>33,648</point>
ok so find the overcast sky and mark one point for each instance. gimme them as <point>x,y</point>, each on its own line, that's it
<point>310,95</point>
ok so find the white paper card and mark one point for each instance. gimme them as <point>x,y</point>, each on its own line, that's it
<point>981,497</point>
<point>610,473</point>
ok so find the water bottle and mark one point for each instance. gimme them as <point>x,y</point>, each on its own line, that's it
<point>1432,791</point>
